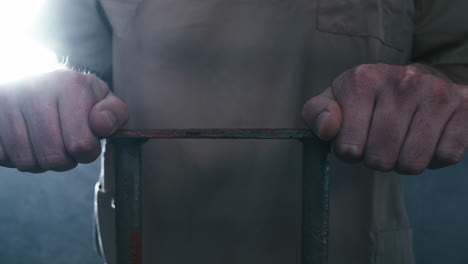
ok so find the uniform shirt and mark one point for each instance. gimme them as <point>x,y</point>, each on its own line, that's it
<point>251,64</point>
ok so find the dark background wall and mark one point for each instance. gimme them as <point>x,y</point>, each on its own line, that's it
<point>437,202</point>
<point>47,218</point>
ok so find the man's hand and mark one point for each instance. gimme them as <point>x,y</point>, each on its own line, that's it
<point>393,118</point>
<point>54,121</point>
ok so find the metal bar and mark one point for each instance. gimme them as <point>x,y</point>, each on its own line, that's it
<point>218,134</point>
<point>128,185</point>
<point>128,201</point>
<point>315,202</point>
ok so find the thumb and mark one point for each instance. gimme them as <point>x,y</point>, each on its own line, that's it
<point>323,115</point>
<point>108,115</point>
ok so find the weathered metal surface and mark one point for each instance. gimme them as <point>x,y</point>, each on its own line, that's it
<point>218,134</point>
<point>128,185</point>
<point>128,201</point>
<point>315,202</point>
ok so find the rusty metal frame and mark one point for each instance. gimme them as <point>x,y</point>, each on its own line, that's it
<point>315,186</point>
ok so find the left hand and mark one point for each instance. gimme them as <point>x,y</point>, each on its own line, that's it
<point>393,118</point>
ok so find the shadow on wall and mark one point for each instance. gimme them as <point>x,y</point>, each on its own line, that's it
<point>47,218</point>
<point>437,203</point>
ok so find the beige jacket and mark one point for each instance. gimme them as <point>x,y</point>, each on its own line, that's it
<point>251,64</point>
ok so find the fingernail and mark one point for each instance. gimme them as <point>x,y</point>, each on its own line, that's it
<point>320,122</point>
<point>110,119</point>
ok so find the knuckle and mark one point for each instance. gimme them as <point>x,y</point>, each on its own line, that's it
<point>349,151</point>
<point>78,80</point>
<point>410,70</point>
<point>66,80</point>
<point>409,78</point>
<point>364,78</point>
<point>440,92</point>
<point>379,162</point>
<point>365,72</point>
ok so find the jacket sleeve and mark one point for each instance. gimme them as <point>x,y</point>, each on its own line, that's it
<point>77,32</point>
<point>441,32</point>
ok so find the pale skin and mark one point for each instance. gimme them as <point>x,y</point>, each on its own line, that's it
<point>402,118</point>
<point>55,121</point>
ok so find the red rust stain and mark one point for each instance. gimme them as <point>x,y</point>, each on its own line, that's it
<point>136,247</point>
<point>272,132</point>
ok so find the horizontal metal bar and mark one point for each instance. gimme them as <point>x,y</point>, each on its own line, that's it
<point>217,134</point>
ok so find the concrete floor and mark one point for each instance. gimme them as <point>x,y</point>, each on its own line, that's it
<point>47,218</point>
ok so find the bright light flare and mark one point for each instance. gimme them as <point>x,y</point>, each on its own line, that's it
<point>20,54</point>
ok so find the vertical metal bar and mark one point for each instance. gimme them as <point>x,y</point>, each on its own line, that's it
<point>315,189</point>
<point>315,203</point>
<point>128,201</point>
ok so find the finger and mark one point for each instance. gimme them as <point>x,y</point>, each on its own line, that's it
<point>14,135</point>
<point>44,129</point>
<point>388,129</point>
<point>421,141</point>
<point>108,115</point>
<point>355,93</point>
<point>453,142</point>
<point>74,105</point>
<point>323,114</point>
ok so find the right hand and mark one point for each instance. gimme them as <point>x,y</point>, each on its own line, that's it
<point>54,121</point>
<point>401,118</point>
